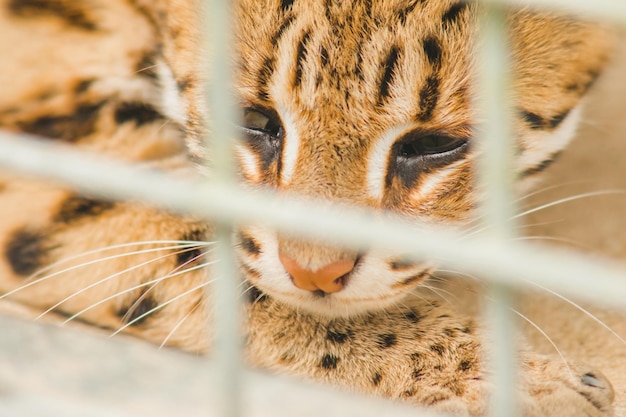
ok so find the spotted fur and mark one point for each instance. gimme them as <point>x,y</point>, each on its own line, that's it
<point>338,99</point>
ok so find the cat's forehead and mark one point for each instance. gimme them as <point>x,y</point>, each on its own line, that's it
<point>391,62</point>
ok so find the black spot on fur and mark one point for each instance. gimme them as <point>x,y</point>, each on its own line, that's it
<point>189,256</point>
<point>250,274</point>
<point>537,122</point>
<point>407,10</point>
<point>437,348</point>
<point>139,311</point>
<point>413,316</point>
<point>140,113</point>
<point>387,340</point>
<point>400,264</point>
<point>408,393</point>
<point>26,251</point>
<point>389,68</point>
<point>146,67</point>
<point>453,13</point>
<point>540,166</point>
<point>287,358</point>
<point>286,5</point>
<point>324,56</point>
<point>534,120</point>
<point>337,337</point>
<point>301,57</point>
<point>429,96</point>
<point>75,14</point>
<point>465,365</point>
<point>82,86</point>
<point>376,379</point>
<point>250,245</point>
<point>255,295</point>
<point>69,128</point>
<point>184,83</point>
<point>556,120</point>
<point>417,374</point>
<point>433,51</point>
<point>77,207</point>
<point>329,361</point>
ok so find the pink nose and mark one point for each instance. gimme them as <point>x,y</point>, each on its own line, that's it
<point>328,278</point>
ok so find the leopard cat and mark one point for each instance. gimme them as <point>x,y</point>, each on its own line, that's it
<point>366,102</point>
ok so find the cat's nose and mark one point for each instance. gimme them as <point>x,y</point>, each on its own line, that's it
<point>330,278</point>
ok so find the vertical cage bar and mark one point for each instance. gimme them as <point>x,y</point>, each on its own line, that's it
<point>225,291</point>
<point>495,176</point>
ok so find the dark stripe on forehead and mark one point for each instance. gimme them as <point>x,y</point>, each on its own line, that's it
<point>452,15</point>
<point>73,13</point>
<point>263,78</point>
<point>286,24</point>
<point>367,4</point>
<point>407,10</point>
<point>388,70</point>
<point>432,48</point>
<point>429,96</point>
<point>286,5</point>
<point>301,57</point>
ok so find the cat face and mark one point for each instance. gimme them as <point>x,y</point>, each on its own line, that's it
<point>370,103</point>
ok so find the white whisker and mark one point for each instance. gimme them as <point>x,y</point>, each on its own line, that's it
<point>555,239</point>
<point>177,326</point>
<point>548,338</point>
<point>149,67</point>
<point>108,278</point>
<point>136,287</point>
<point>95,261</point>
<point>581,309</point>
<point>569,199</point>
<point>160,306</point>
<point>178,268</point>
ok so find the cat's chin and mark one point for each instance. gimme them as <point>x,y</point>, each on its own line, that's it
<point>333,305</point>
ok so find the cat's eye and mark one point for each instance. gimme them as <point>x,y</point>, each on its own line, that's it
<point>263,132</point>
<point>261,122</point>
<point>412,146</point>
<point>419,151</point>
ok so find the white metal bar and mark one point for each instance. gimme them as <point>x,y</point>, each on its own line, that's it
<point>510,263</point>
<point>611,10</point>
<point>497,212</point>
<point>225,298</point>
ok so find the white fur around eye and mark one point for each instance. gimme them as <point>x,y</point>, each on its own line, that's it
<point>291,145</point>
<point>378,160</point>
<point>173,104</point>
<point>249,163</point>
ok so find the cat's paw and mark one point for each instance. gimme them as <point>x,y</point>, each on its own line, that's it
<point>559,389</point>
